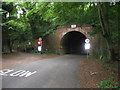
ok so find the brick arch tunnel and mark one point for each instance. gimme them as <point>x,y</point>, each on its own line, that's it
<point>73,43</point>
<point>67,40</point>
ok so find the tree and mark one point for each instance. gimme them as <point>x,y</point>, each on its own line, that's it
<point>7,9</point>
<point>39,19</point>
<point>104,9</point>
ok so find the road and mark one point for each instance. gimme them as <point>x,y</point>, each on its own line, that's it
<point>58,72</point>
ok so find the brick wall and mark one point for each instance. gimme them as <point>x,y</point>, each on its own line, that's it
<point>52,41</point>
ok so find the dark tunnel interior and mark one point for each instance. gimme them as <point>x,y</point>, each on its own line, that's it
<point>73,43</point>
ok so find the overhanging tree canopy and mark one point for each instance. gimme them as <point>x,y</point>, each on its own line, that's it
<point>41,18</point>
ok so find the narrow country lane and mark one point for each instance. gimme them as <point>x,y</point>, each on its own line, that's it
<point>58,72</point>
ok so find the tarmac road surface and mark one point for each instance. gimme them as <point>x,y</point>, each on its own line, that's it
<point>58,72</point>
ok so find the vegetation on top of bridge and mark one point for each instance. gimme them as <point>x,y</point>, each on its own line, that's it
<point>23,22</point>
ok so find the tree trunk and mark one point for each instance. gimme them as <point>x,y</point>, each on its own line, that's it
<point>102,7</point>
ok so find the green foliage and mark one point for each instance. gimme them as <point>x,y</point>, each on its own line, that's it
<point>95,54</point>
<point>109,83</point>
<point>100,57</point>
<point>50,52</point>
<point>43,52</point>
<point>105,60</point>
<point>41,18</point>
<point>66,13</point>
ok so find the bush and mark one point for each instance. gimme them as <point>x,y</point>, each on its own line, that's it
<point>35,51</point>
<point>109,83</point>
<point>50,52</point>
<point>95,54</point>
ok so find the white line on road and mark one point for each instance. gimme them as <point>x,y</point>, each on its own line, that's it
<point>19,73</point>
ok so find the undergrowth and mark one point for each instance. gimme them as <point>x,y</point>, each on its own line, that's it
<point>43,52</point>
<point>109,83</point>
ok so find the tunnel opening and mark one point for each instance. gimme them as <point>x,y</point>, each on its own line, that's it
<point>73,43</point>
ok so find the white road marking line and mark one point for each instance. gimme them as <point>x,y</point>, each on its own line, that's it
<point>5,71</point>
<point>27,74</point>
<point>19,73</point>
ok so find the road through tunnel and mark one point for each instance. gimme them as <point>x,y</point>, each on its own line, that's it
<point>73,43</point>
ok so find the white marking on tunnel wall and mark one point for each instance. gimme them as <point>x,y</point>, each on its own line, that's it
<point>18,73</point>
<point>73,26</point>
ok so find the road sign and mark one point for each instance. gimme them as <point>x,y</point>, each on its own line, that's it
<point>40,48</point>
<point>87,46</point>
<point>40,39</point>
<point>39,42</point>
<point>87,40</point>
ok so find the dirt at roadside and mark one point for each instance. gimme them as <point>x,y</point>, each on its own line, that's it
<point>16,59</point>
<point>93,71</point>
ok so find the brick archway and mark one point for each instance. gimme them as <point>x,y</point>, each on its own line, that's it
<point>53,41</point>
